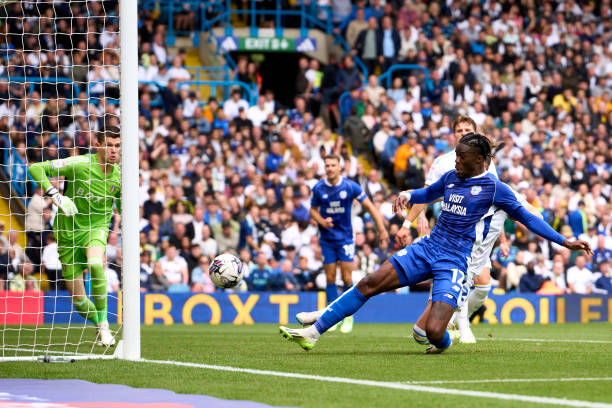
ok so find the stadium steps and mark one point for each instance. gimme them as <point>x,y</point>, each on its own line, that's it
<point>201,57</point>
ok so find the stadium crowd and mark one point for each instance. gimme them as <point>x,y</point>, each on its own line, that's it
<point>220,175</point>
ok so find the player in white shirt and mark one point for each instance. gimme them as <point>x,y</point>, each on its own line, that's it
<point>479,269</point>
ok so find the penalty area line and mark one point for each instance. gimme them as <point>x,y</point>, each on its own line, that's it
<point>545,340</point>
<point>391,385</point>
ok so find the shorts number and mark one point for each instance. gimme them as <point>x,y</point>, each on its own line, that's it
<point>458,276</point>
<point>349,249</point>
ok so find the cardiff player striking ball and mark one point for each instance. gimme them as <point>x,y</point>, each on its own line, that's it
<point>226,271</point>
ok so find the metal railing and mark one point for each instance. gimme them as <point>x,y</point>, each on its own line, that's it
<point>308,16</point>
<point>388,75</point>
<point>250,89</point>
<point>33,81</point>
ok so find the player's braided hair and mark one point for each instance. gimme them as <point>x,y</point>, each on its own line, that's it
<point>479,141</point>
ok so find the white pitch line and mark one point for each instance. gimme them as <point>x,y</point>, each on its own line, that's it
<point>511,380</point>
<point>393,385</point>
<point>545,340</point>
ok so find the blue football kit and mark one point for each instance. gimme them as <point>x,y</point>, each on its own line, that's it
<point>336,201</point>
<point>467,209</point>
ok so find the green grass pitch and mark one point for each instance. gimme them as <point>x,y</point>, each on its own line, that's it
<point>375,352</point>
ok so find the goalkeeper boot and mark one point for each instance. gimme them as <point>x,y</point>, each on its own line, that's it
<point>308,318</point>
<point>347,325</point>
<point>305,338</point>
<point>105,337</point>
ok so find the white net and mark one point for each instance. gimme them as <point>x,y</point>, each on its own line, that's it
<point>59,90</point>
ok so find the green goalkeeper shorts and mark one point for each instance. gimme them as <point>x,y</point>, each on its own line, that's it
<point>72,248</point>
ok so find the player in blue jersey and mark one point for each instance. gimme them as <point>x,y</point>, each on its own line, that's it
<point>330,207</point>
<point>470,199</point>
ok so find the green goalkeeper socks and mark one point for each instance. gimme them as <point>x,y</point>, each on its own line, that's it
<point>86,309</point>
<point>98,287</point>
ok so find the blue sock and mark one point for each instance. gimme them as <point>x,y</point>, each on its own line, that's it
<point>331,292</point>
<point>346,305</point>
<point>444,343</point>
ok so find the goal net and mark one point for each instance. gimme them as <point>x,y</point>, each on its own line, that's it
<point>60,275</point>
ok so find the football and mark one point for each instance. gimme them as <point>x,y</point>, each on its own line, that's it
<point>226,271</point>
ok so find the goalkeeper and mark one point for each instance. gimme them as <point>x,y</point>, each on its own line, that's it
<point>93,182</point>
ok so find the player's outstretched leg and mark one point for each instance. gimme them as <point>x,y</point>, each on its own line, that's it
<point>437,322</point>
<point>308,318</point>
<point>345,305</point>
<point>383,280</point>
<point>331,289</point>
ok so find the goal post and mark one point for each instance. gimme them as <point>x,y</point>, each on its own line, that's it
<point>68,75</point>
<point>128,20</point>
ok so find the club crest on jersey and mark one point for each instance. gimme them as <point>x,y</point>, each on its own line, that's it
<point>325,196</point>
<point>58,164</point>
<point>343,194</point>
<point>476,190</point>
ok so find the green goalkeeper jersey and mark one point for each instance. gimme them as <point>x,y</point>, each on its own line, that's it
<point>92,191</point>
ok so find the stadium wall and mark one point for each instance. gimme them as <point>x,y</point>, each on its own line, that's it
<point>265,307</point>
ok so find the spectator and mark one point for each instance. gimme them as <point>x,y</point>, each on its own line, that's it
<point>174,268</point>
<point>366,45</point>
<point>200,280</point>
<point>286,280</point>
<point>603,281</point>
<point>601,253</point>
<point>530,282</point>
<point>388,44</point>
<point>231,106</point>
<point>348,76</point>
<point>35,225</point>
<point>357,133</point>
<point>158,282</point>
<point>51,264</point>
<point>227,238</point>
<point>259,277</point>
<point>579,278</point>
<point>578,219</point>
<point>23,279</point>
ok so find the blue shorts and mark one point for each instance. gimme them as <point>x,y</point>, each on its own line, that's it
<point>334,252</point>
<point>427,259</point>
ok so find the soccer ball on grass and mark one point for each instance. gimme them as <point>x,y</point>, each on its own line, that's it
<point>226,271</point>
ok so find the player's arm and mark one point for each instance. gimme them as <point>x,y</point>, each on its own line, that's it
<point>40,172</point>
<point>324,222</point>
<point>505,199</point>
<point>378,218</point>
<point>315,203</point>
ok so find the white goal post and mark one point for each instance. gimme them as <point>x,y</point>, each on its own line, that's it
<point>128,23</point>
<point>42,83</point>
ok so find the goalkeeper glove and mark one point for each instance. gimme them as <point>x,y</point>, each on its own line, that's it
<point>64,203</point>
